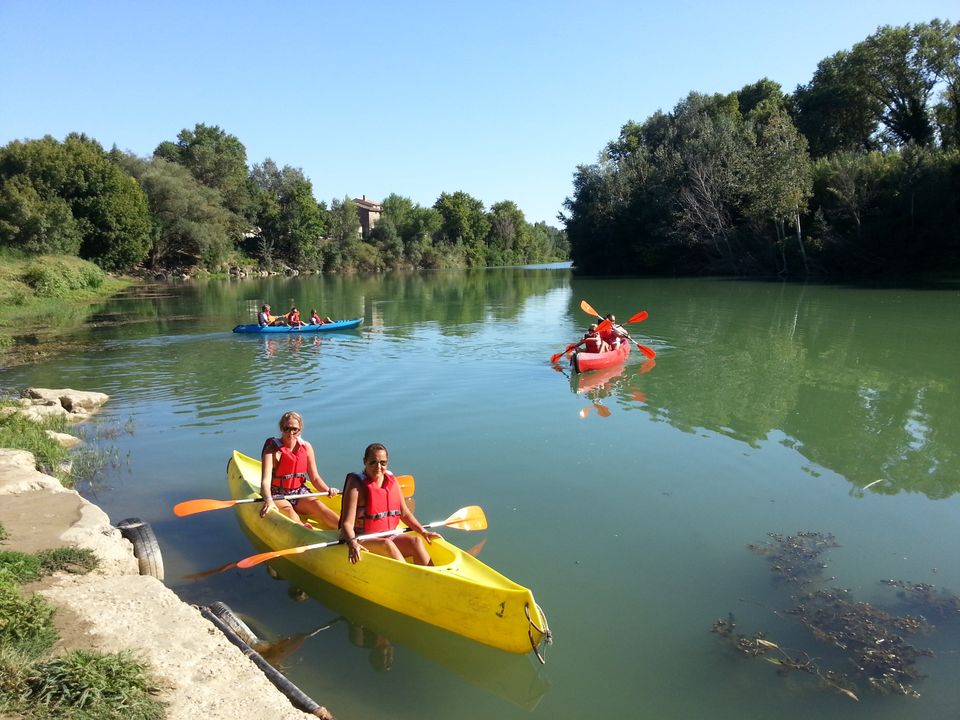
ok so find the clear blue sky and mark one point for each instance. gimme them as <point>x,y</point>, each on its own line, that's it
<point>499,99</point>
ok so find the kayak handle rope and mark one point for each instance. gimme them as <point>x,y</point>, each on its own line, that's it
<point>546,637</point>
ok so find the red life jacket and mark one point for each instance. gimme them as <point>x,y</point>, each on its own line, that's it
<point>291,472</point>
<point>592,343</point>
<point>381,505</point>
<point>611,337</point>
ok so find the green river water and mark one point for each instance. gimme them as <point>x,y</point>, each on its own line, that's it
<point>625,500</point>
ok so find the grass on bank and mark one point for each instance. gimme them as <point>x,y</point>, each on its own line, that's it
<point>76,685</point>
<point>19,433</point>
<point>38,292</point>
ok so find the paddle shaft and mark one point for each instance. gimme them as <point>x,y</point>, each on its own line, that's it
<point>468,518</point>
<point>257,559</point>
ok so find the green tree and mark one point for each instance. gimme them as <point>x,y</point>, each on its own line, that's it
<point>216,159</point>
<point>292,223</point>
<point>463,223</point>
<point>781,176</point>
<point>343,246</point>
<point>416,225</point>
<point>34,225</point>
<point>190,224</point>
<point>508,242</point>
<point>833,111</point>
<point>107,205</point>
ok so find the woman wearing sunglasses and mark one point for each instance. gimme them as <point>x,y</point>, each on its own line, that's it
<point>287,463</point>
<point>373,502</point>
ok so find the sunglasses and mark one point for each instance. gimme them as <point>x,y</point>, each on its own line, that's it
<point>377,462</point>
<point>291,429</point>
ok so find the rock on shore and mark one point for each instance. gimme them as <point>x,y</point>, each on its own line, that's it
<point>114,608</point>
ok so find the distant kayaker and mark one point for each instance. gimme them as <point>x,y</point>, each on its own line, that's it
<point>293,317</point>
<point>265,318</point>
<point>373,502</point>
<point>287,463</point>
<point>316,320</point>
<point>614,333</point>
<point>592,341</point>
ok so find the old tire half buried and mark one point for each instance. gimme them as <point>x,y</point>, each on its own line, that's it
<point>145,546</point>
<point>232,621</point>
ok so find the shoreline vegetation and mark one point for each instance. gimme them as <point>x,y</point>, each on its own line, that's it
<point>855,174</point>
<point>196,204</point>
<point>39,295</point>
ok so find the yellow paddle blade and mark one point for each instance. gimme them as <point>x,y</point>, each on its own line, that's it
<point>588,308</point>
<point>190,507</point>
<point>471,517</point>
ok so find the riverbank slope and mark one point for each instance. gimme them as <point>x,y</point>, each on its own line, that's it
<point>114,608</point>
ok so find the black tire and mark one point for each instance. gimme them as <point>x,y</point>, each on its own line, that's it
<point>232,621</point>
<point>145,546</point>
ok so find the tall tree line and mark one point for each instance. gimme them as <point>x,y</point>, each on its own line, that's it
<point>196,203</point>
<point>856,173</point>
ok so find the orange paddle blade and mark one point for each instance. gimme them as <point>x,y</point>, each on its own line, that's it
<point>588,308</point>
<point>263,557</point>
<point>602,410</point>
<point>604,326</point>
<point>649,352</point>
<point>639,317</point>
<point>190,507</point>
<point>407,485</point>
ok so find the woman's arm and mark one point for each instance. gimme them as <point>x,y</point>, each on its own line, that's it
<point>266,478</point>
<point>407,517</point>
<point>348,517</point>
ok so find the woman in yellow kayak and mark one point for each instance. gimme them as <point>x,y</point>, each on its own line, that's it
<point>373,502</point>
<point>287,463</point>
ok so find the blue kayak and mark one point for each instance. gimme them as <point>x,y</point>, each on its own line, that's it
<point>328,327</point>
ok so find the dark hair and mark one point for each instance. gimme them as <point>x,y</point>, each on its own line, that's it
<point>372,448</point>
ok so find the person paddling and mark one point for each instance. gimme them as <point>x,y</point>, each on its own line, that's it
<point>373,502</point>
<point>287,463</point>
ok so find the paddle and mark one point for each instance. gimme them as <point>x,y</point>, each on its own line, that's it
<point>602,327</point>
<point>639,317</point>
<point>467,518</point>
<point>192,507</point>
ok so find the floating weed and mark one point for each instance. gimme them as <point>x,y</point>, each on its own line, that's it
<point>926,599</point>
<point>869,640</point>
<point>796,558</point>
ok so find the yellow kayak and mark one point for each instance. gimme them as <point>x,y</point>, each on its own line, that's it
<point>458,593</point>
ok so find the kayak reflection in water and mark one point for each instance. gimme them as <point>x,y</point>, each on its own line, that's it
<point>373,502</point>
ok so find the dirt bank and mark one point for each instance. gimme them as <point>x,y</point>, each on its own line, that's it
<point>114,608</point>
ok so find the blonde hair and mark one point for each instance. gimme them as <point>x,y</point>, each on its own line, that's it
<point>291,415</point>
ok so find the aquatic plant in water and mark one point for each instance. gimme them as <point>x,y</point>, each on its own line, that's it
<point>871,641</point>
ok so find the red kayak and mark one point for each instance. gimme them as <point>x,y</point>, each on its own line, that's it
<point>583,361</point>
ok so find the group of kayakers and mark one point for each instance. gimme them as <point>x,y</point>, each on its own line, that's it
<point>597,340</point>
<point>292,317</point>
<point>372,499</point>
